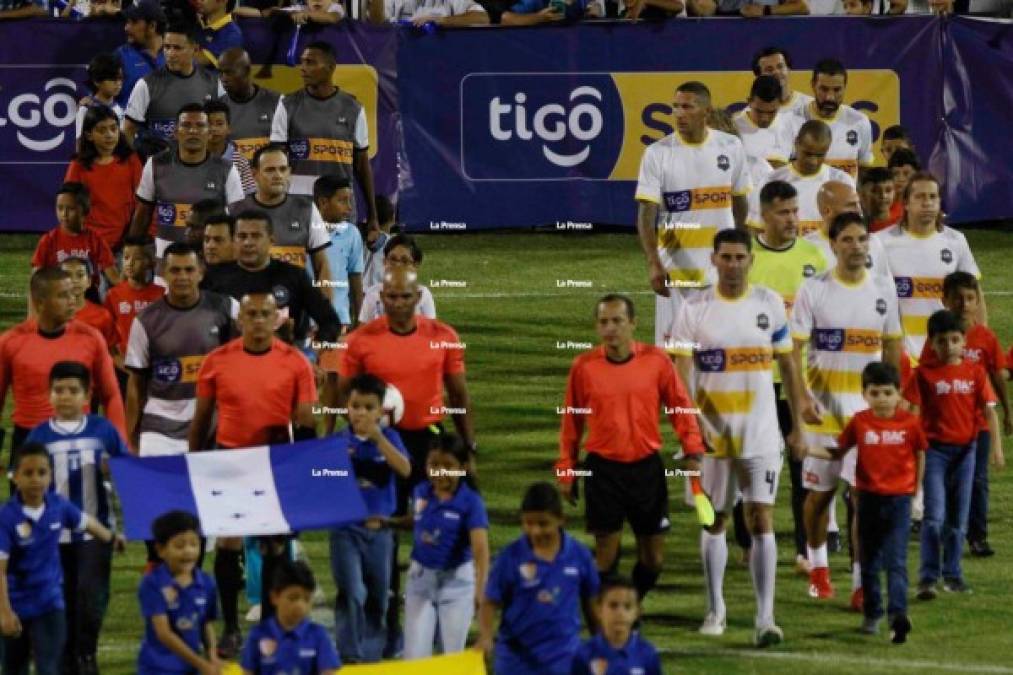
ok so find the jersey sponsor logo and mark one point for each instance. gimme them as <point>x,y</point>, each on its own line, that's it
<point>182,370</point>
<point>173,215</point>
<point>321,150</point>
<point>293,255</point>
<point>698,199</point>
<point>808,227</point>
<point>871,438</point>
<point>919,287</point>
<point>954,386</point>
<point>733,359</point>
<point>881,306</point>
<point>852,137</point>
<point>856,340</point>
<point>247,146</point>
<point>164,129</point>
<point>974,355</point>
<point>762,321</point>
<point>946,255</point>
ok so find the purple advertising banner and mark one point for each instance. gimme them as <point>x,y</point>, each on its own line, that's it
<point>42,75</point>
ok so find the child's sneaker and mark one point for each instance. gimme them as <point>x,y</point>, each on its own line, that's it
<point>955,586</point>
<point>870,625</point>
<point>981,549</point>
<point>713,624</point>
<point>857,600</point>
<point>926,590</point>
<point>819,584</point>
<point>900,626</point>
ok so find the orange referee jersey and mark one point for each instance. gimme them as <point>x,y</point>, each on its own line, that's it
<point>414,363</point>
<point>255,392</point>
<point>99,318</point>
<point>619,404</point>
<point>26,357</point>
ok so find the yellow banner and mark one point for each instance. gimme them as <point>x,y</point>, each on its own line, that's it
<point>468,662</point>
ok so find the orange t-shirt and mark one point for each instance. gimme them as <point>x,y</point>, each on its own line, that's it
<point>619,404</point>
<point>255,392</point>
<point>982,348</point>
<point>26,357</point>
<point>950,397</point>
<point>414,363</point>
<point>124,302</point>
<point>112,187</point>
<point>887,460</point>
<point>99,318</point>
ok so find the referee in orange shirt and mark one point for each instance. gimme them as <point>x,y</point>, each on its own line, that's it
<point>616,390</point>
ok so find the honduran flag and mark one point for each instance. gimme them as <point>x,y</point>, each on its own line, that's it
<point>263,490</point>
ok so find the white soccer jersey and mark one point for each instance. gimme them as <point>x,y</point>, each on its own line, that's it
<point>919,265</point>
<point>399,10</point>
<point>795,106</point>
<point>759,170</point>
<point>733,343</point>
<point>693,184</point>
<point>764,143</point>
<point>877,262</point>
<point>851,142</point>
<point>845,325</point>
<point>807,187</point>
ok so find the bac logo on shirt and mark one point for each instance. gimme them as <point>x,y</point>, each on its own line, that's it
<point>699,199</point>
<point>955,386</point>
<point>946,255</point>
<point>733,359</point>
<point>856,340</point>
<point>852,137</point>
<point>919,287</point>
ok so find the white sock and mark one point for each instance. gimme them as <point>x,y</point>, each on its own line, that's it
<point>856,576</point>
<point>714,552</point>
<point>763,567</point>
<point>832,525</point>
<point>818,556</point>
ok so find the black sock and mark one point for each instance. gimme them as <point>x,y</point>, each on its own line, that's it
<point>229,577</point>
<point>644,579</point>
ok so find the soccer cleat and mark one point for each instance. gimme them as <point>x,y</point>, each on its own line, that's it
<point>802,566</point>
<point>870,625</point>
<point>253,615</point>
<point>900,626</point>
<point>229,645</point>
<point>713,625</point>
<point>819,584</point>
<point>834,542</point>
<point>981,549</point>
<point>857,600</point>
<point>955,586</point>
<point>926,590</point>
<point>768,635</point>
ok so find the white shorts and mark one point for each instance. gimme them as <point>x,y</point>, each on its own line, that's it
<point>757,478</point>
<point>156,445</point>
<point>822,475</point>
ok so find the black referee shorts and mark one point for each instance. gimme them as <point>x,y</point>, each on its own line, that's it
<point>633,491</point>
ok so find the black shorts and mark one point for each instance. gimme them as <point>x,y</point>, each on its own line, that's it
<point>633,491</point>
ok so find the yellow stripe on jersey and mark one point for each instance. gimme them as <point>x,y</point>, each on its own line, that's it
<point>808,227</point>
<point>293,255</point>
<point>641,197</point>
<point>725,445</point>
<point>830,426</point>
<point>915,324</point>
<point>686,235</point>
<point>687,277</point>
<point>720,403</point>
<point>247,146</point>
<point>834,381</point>
<point>328,150</point>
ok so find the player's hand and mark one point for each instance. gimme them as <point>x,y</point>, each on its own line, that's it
<point>10,624</point>
<point>1007,426</point>
<point>998,458</point>
<point>566,492</point>
<point>797,444</point>
<point>211,667</point>
<point>484,645</point>
<point>658,277</point>
<point>550,14</point>
<point>119,543</point>
<point>811,413</point>
<point>751,11</point>
<point>634,9</point>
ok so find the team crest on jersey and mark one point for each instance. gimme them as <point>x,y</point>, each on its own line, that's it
<point>420,506</point>
<point>762,321</point>
<point>852,137</point>
<point>171,595</point>
<point>281,295</point>
<point>946,255</point>
<point>267,646</point>
<point>808,271</point>
<point>599,666</point>
<point>211,186</point>
<point>24,529</point>
<point>868,262</point>
<point>294,225</point>
<point>184,623</point>
<point>881,306</point>
<point>723,162</point>
<point>528,571</point>
<point>263,117</point>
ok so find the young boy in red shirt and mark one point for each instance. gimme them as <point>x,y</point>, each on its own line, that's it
<point>950,396</point>
<point>87,309</point>
<point>962,296</point>
<point>890,463</point>
<point>137,290</point>
<point>71,239</point>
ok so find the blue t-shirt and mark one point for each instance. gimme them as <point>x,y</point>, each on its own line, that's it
<point>574,10</point>
<point>540,628</point>
<point>443,529</point>
<point>136,64</point>
<point>221,35</point>
<point>187,610</point>
<point>344,256</point>
<point>31,545</point>
<point>77,464</point>
<point>597,657</point>
<point>377,482</point>
<point>271,650</point>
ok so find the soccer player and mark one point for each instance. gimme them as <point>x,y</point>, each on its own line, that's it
<point>833,199</point>
<point>781,262</point>
<point>725,340</point>
<point>890,462</point>
<point>758,167</point>
<point>846,318</point>
<point>692,184</point>
<point>29,350</point>
<point>851,146</point>
<point>761,128</point>
<point>807,172</point>
<point>251,107</point>
<point>951,397</point>
<point>775,61</point>
<point>402,250</point>
<point>298,230</point>
<point>136,291</point>
<point>325,129</point>
<point>615,391</point>
<point>79,445</point>
<point>172,182</point>
<point>875,188</point>
<point>618,644</point>
<point>921,251</point>
<point>217,246</point>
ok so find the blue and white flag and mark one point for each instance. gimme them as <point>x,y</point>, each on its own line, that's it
<point>264,490</point>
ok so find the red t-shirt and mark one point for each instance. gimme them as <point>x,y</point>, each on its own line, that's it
<point>99,318</point>
<point>255,392</point>
<point>112,187</point>
<point>124,302</point>
<point>26,357</point>
<point>57,245</point>
<point>896,213</point>
<point>981,347</point>
<point>950,398</point>
<point>619,404</point>
<point>414,363</point>
<point>887,451</point>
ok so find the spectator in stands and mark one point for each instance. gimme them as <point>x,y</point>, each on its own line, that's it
<point>217,245</point>
<point>105,77</point>
<point>251,107</point>
<point>110,171</point>
<point>747,8</point>
<point>333,197</point>
<point>335,121</point>
<point>439,12</point>
<point>142,52</point>
<point>22,9</point>
<point>254,8</point>
<point>903,164</point>
<point>776,61</point>
<point>653,10</point>
<point>320,12</point>
<point>534,12</point>
<point>857,7</point>
<point>220,32</point>
<point>402,251</point>
<point>219,145</point>
<point>87,310</point>
<point>158,97</point>
<point>875,188</point>
<point>895,138</point>
<point>73,238</point>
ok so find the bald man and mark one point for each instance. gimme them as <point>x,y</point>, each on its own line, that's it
<point>251,107</point>
<point>836,197</point>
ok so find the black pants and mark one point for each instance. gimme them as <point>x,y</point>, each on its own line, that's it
<point>87,566</point>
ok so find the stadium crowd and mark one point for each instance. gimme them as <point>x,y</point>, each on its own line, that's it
<point>213,277</point>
